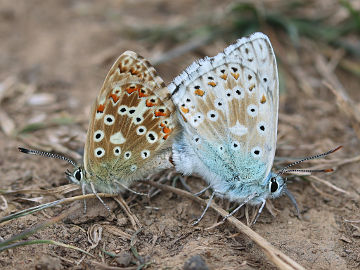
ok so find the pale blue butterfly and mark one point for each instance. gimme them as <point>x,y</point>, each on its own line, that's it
<point>228,108</point>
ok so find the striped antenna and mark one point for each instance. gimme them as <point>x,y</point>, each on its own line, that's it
<point>46,154</point>
<point>284,170</point>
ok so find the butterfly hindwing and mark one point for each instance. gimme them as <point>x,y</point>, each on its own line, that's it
<point>229,106</point>
<point>131,123</point>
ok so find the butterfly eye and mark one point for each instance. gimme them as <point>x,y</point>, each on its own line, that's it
<point>78,174</point>
<point>274,186</point>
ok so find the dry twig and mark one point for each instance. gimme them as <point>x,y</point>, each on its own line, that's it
<point>344,101</point>
<point>326,183</point>
<point>133,219</point>
<point>281,260</point>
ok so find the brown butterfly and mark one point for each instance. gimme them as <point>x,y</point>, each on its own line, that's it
<point>132,125</point>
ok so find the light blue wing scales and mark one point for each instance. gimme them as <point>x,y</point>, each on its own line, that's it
<point>229,106</point>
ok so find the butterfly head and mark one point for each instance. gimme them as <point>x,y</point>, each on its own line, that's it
<point>276,186</point>
<point>77,176</point>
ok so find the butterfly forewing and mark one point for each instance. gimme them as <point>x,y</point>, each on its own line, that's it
<point>131,123</point>
<point>229,105</point>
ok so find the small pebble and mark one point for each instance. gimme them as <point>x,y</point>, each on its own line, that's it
<point>124,258</point>
<point>345,239</point>
<point>195,263</point>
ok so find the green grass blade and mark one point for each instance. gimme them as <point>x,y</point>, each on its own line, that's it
<point>30,210</point>
<point>39,241</point>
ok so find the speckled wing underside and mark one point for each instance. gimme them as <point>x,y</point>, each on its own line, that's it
<point>131,123</point>
<point>229,103</point>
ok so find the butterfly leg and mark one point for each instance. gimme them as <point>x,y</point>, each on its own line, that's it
<point>234,211</point>
<point>259,212</point>
<point>238,208</point>
<point>83,189</point>
<point>172,177</point>
<point>202,191</point>
<point>161,180</point>
<point>155,191</point>
<point>206,208</point>
<point>129,189</point>
<point>97,196</point>
<point>182,180</point>
<point>292,199</point>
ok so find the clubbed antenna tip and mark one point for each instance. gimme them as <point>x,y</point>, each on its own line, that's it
<point>23,150</point>
<point>337,148</point>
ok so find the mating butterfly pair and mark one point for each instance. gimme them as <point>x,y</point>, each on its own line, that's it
<point>217,119</point>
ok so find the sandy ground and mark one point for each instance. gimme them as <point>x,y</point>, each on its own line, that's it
<point>54,57</point>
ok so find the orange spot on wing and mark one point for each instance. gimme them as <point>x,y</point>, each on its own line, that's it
<point>184,110</point>
<point>131,90</point>
<point>166,130</point>
<point>235,75</point>
<point>134,89</point>
<point>263,99</point>
<point>114,97</point>
<point>184,118</point>
<point>158,113</point>
<point>141,94</point>
<point>251,87</point>
<point>100,108</point>
<point>149,103</point>
<point>224,76</point>
<point>213,84</point>
<point>199,92</point>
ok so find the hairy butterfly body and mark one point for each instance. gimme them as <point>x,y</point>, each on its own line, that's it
<point>130,130</point>
<point>228,107</point>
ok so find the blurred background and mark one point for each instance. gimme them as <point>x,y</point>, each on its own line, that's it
<point>54,56</point>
